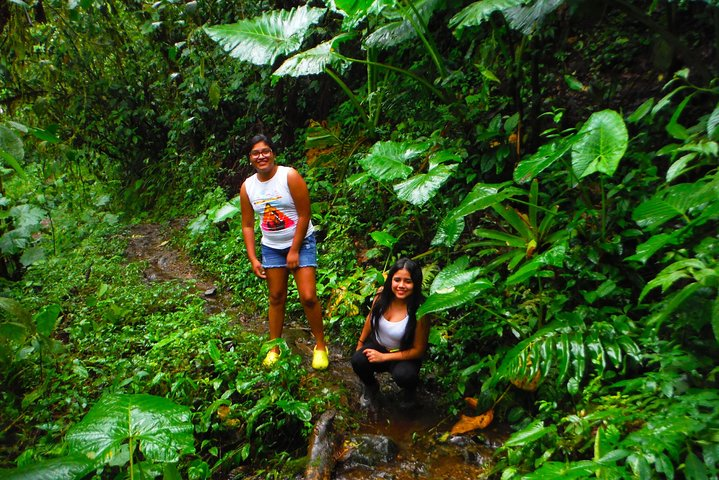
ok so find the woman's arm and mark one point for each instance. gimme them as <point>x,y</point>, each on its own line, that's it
<point>365,333</point>
<point>416,351</point>
<point>248,232</point>
<point>367,328</point>
<point>301,197</point>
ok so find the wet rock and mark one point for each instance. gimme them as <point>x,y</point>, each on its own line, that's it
<point>210,292</point>
<point>369,450</point>
<point>459,440</point>
<point>322,447</point>
<point>366,473</point>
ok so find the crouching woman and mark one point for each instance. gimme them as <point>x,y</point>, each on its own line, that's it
<point>393,339</point>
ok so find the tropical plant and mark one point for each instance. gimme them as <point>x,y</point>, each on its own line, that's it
<point>120,430</point>
<point>262,39</point>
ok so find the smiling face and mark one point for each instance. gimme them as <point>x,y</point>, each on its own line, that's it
<point>402,284</point>
<point>262,158</point>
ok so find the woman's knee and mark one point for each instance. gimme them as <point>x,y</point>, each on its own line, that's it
<point>278,297</point>
<point>359,361</point>
<point>309,301</point>
<point>406,374</point>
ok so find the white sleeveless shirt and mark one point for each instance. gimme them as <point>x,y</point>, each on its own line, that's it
<point>389,334</point>
<point>273,203</point>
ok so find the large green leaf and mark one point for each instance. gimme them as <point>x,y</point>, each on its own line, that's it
<point>63,468</point>
<point>679,270</point>
<point>312,61</point>
<point>388,160</point>
<point>565,471</point>
<point>11,149</point>
<point>160,428</point>
<point>228,210</point>
<point>713,124</point>
<point>420,188</point>
<point>531,433</point>
<point>261,40</point>
<point>28,216</point>
<point>352,7</point>
<point>11,143</point>
<point>482,196</point>
<point>479,12</point>
<point>544,158</point>
<point>46,319</point>
<point>296,408</point>
<point>654,244</point>
<point>15,327</point>
<point>354,11</point>
<point>383,238</point>
<point>448,232</point>
<point>654,212</point>
<point>401,31</point>
<point>676,201</point>
<point>552,257</point>
<point>602,143</point>
<point>453,298</point>
<point>48,135</point>
<point>454,275</point>
<point>526,19</point>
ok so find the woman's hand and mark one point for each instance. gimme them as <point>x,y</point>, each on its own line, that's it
<point>258,270</point>
<point>293,260</point>
<point>374,356</point>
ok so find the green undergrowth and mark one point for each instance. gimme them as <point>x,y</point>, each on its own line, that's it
<point>99,329</point>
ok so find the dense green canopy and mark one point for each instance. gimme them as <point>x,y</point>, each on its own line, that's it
<point>552,164</point>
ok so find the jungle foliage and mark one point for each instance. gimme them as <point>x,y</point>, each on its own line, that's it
<point>552,164</point>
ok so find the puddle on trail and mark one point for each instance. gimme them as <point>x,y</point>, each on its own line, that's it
<point>425,452</point>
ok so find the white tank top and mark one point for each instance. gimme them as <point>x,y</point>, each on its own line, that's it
<point>389,334</point>
<point>273,202</point>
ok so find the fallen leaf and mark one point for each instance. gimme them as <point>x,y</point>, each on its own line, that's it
<point>471,402</point>
<point>525,384</point>
<point>222,412</point>
<point>467,424</point>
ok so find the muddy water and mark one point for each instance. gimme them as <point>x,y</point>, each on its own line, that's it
<point>426,451</point>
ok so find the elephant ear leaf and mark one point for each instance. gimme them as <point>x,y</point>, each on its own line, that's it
<point>454,275</point>
<point>453,297</point>
<point>545,157</point>
<point>480,12</point>
<point>161,429</point>
<point>602,143</point>
<point>388,160</point>
<point>63,468</point>
<point>262,39</point>
<point>420,188</point>
<point>402,30</point>
<point>312,61</point>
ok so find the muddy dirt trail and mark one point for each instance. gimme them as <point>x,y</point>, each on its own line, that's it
<point>422,448</point>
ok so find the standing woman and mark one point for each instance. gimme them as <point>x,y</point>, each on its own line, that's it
<point>279,196</point>
<point>393,339</point>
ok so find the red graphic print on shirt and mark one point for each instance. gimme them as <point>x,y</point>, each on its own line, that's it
<point>273,219</point>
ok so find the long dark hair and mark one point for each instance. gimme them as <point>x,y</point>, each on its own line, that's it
<point>257,139</point>
<point>413,302</point>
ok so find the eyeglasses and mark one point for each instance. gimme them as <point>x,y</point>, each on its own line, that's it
<point>257,153</point>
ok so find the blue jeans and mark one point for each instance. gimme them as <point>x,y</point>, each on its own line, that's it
<point>277,257</point>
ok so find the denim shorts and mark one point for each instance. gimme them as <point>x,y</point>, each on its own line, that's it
<point>277,257</point>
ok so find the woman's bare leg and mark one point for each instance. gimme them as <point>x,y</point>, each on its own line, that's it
<point>307,290</point>
<point>277,286</point>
